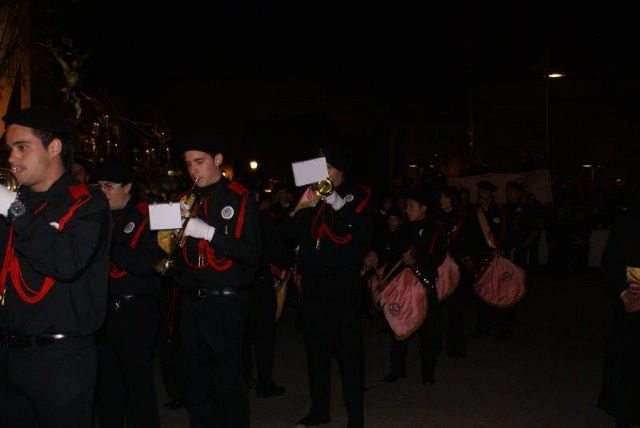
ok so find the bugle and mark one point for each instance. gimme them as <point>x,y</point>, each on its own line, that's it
<point>8,179</point>
<point>170,239</point>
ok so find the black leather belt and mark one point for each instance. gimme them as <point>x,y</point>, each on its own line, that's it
<point>13,341</point>
<point>203,293</point>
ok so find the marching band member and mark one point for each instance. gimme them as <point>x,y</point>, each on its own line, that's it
<point>218,260</point>
<point>53,282</point>
<point>333,235</point>
<point>427,245</point>
<point>126,392</point>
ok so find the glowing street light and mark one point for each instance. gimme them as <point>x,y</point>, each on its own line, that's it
<point>253,165</point>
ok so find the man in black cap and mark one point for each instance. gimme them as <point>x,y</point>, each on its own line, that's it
<point>333,235</point>
<point>126,391</point>
<point>53,283</point>
<point>219,259</point>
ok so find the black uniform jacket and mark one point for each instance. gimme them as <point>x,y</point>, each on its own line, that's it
<point>330,238</point>
<point>471,241</point>
<point>72,250</point>
<point>428,241</point>
<point>134,251</point>
<point>231,258</point>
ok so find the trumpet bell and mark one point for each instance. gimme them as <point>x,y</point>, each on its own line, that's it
<point>166,239</point>
<point>324,188</point>
<point>8,179</point>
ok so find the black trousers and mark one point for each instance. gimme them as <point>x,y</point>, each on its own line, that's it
<point>331,317</point>
<point>48,387</point>
<point>126,390</point>
<point>261,332</point>
<point>429,336</point>
<point>212,335</point>
<point>453,306</point>
<point>170,343</point>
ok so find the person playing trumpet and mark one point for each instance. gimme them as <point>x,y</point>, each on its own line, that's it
<point>216,264</point>
<point>333,232</point>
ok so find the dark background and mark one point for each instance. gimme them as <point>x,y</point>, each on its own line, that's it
<point>268,74</point>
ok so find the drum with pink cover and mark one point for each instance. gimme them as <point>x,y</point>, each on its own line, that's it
<point>448,278</point>
<point>500,283</point>
<point>404,303</point>
<point>375,286</point>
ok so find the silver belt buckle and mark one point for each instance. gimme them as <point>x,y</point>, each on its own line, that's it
<point>202,293</point>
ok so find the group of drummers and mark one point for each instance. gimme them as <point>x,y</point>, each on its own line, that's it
<point>81,265</point>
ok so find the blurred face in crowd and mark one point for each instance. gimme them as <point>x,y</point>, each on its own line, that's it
<point>445,203</point>
<point>335,175</point>
<point>117,194</point>
<point>512,194</point>
<point>34,165</point>
<point>484,196</point>
<point>393,221</point>
<point>387,204</point>
<point>285,197</point>
<point>203,168</point>
<point>464,199</point>
<point>415,211</point>
<point>80,173</point>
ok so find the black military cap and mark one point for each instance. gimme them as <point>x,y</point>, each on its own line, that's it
<point>208,143</point>
<point>40,118</point>
<point>114,171</point>
<point>486,185</point>
<point>336,156</point>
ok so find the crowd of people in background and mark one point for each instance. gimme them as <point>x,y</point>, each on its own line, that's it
<point>68,225</point>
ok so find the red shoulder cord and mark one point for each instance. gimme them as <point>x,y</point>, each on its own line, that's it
<point>206,252</point>
<point>320,231</point>
<point>114,271</point>
<point>11,263</point>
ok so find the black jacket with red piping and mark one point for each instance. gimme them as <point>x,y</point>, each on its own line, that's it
<point>231,258</point>
<point>334,239</point>
<point>134,252</point>
<point>56,283</point>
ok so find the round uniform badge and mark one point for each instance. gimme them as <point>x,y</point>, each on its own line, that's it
<point>496,220</point>
<point>129,227</point>
<point>348,198</point>
<point>227,212</point>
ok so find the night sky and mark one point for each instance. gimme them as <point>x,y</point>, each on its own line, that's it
<point>185,64</point>
<point>392,50</point>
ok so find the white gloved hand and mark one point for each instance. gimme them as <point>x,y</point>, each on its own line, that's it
<point>7,197</point>
<point>197,228</point>
<point>335,201</point>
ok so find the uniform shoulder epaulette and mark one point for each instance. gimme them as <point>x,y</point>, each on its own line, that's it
<point>237,188</point>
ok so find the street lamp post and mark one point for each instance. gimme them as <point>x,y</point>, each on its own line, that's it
<point>548,76</point>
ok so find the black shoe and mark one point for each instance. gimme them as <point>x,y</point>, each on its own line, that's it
<point>272,391</point>
<point>310,420</point>
<point>173,404</point>
<point>394,376</point>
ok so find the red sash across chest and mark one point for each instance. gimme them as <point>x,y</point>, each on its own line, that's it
<point>11,264</point>
<point>207,257</point>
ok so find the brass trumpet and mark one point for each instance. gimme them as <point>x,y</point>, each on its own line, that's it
<point>8,179</point>
<point>323,188</point>
<point>170,239</point>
